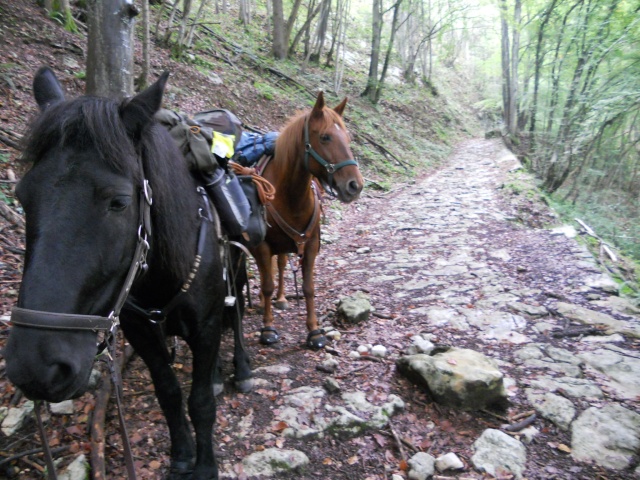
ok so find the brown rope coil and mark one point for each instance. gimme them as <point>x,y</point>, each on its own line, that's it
<point>266,191</point>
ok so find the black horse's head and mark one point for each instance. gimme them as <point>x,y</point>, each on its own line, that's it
<point>81,202</point>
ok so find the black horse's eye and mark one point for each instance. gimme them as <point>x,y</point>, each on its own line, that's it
<point>119,203</point>
<point>325,137</point>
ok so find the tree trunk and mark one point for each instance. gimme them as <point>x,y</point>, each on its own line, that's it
<point>387,58</point>
<point>279,47</point>
<point>321,31</point>
<point>143,79</point>
<point>376,38</point>
<point>110,48</point>
<point>515,59</point>
<point>192,29</point>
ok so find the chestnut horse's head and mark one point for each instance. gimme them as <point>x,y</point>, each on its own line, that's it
<point>327,153</point>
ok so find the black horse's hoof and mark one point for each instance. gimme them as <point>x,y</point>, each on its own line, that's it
<point>316,339</point>
<point>181,470</point>
<point>244,386</point>
<point>218,388</point>
<point>269,336</point>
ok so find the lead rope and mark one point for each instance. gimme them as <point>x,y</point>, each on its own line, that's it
<point>51,468</point>
<point>117,385</point>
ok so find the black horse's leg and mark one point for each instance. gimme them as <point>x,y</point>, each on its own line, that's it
<point>168,392</point>
<point>202,403</point>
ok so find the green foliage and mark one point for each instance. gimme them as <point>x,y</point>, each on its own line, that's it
<point>265,90</point>
<point>616,222</point>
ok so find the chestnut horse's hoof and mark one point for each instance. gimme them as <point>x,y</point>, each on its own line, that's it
<point>281,305</point>
<point>316,339</point>
<point>269,336</point>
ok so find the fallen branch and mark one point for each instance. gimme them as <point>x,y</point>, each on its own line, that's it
<point>579,330</point>
<point>519,416</point>
<point>383,150</point>
<point>516,427</point>
<point>33,451</point>
<point>355,370</point>
<point>403,454</point>
<point>8,142</point>
<point>11,216</point>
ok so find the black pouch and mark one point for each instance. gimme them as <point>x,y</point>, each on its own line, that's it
<point>257,225</point>
<point>227,196</point>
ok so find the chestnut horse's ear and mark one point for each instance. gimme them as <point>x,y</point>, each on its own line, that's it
<point>46,88</point>
<point>317,108</point>
<point>340,108</point>
<point>137,112</point>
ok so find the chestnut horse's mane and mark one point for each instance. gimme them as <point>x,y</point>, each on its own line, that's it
<point>291,137</point>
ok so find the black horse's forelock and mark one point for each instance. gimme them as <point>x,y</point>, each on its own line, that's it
<point>82,123</point>
<point>93,123</point>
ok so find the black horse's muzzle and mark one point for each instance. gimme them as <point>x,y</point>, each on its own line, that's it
<point>49,355</point>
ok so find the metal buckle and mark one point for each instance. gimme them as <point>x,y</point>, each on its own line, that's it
<point>147,192</point>
<point>156,316</point>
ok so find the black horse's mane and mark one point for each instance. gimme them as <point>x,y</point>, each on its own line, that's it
<point>93,123</point>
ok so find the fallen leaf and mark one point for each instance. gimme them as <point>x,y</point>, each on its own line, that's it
<point>327,461</point>
<point>280,426</point>
<point>404,466</point>
<point>155,464</point>
<point>380,440</point>
<point>352,460</point>
<point>563,448</point>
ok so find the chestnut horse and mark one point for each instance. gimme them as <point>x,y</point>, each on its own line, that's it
<point>314,145</point>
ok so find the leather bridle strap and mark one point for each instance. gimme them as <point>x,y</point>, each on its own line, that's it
<point>58,321</point>
<point>300,238</point>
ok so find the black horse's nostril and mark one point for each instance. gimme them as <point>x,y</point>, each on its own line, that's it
<point>61,373</point>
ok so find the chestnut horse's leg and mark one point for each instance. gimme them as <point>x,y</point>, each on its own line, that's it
<point>262,255</point>
<point>281,300</point>
<point>315,337</point>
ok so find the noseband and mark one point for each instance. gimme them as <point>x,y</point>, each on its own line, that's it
<point>331,168</point>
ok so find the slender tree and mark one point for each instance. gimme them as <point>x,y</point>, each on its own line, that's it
<point>110,48</point>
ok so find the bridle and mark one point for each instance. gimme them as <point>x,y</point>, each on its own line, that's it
<point>331,168</point>
<point>25,317</point>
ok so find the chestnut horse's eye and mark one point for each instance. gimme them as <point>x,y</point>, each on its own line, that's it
<point>325,137</point>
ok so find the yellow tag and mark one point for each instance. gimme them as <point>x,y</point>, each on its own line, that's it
<point>222,145</point>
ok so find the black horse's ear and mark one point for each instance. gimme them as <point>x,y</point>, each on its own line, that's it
<point>317,108</point>
<point>138,111</point>
<point>340,108</point>
<point>46,88</point>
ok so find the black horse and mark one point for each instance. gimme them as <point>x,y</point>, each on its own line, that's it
<point>111,206</point>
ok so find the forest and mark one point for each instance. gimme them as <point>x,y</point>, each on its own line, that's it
<point>483,131</point>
